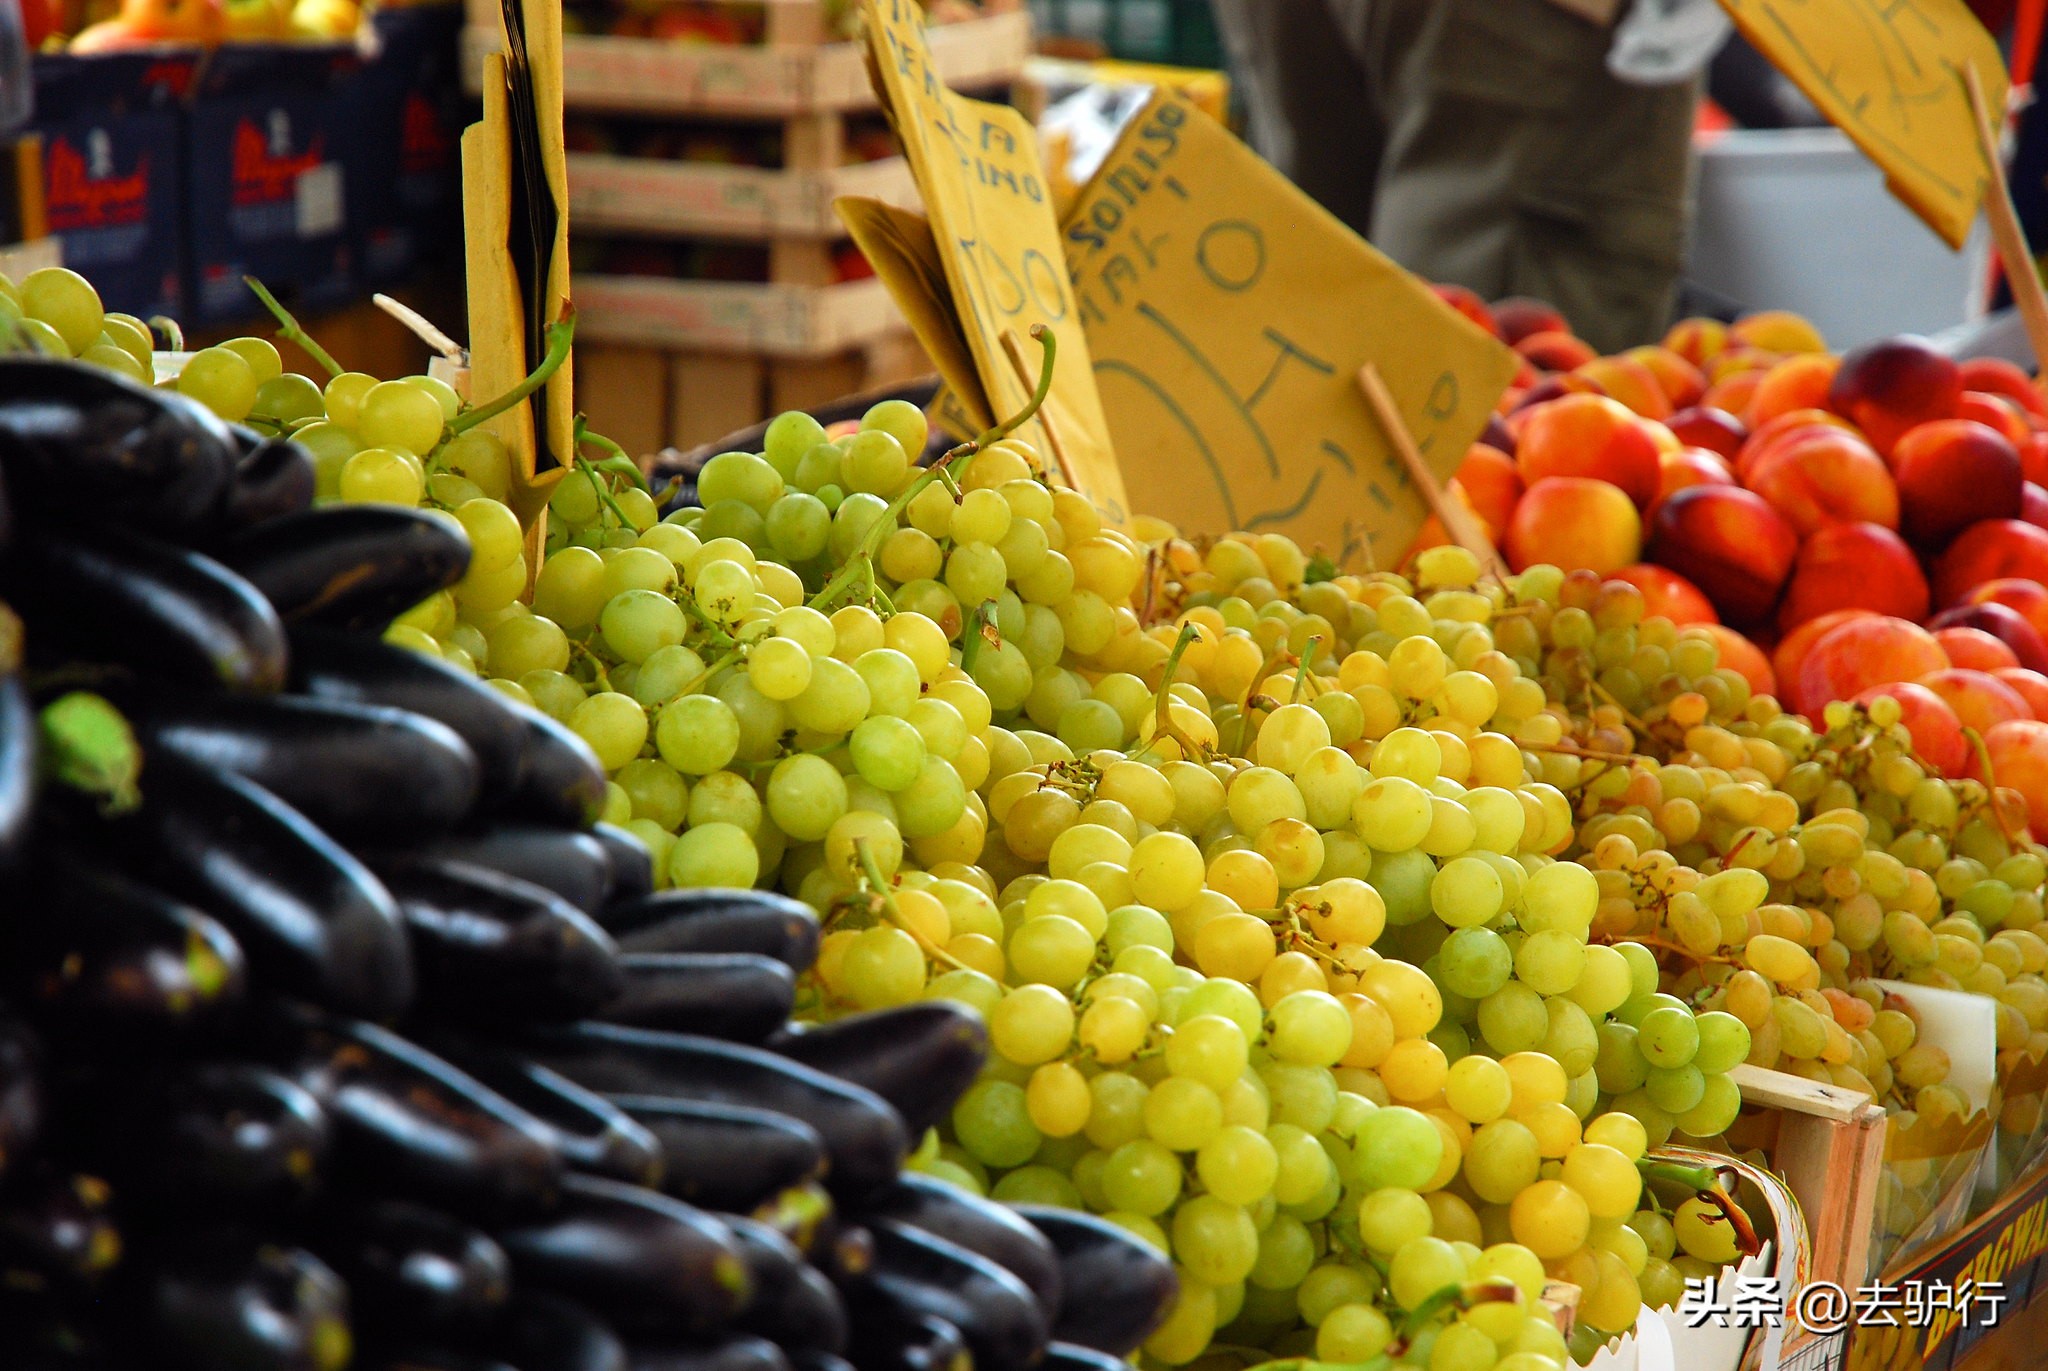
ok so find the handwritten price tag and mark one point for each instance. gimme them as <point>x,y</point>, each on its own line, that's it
<point>1887,73</point>
<point>984,188</point>
<point>1229,315</point>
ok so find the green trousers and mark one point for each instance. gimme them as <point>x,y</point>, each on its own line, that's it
<point>1481,142</point>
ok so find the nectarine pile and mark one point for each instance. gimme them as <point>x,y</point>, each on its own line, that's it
<point>1860,524</point>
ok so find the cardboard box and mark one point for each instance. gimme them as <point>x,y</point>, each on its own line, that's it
<point>406,163</point>
<point>270,138</point>
<point>113,173</point>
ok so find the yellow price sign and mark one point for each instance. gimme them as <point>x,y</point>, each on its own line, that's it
<point>998,246</point>
<point>1889,74</point>
<point>1229,316</point>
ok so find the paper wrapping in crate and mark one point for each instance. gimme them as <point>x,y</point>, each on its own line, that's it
<point>2020,1136</point>
<point>1720,1343</point>
<point>1931,1163</point>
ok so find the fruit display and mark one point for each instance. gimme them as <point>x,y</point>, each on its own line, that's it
<point>1320,957</point>
<point>95,26</point>
<point>339,1032</point>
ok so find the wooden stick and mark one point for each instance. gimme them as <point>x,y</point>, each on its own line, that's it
<point>1013,348</point>
<point>2020,273</point>
<point>422,328</point>
<point>1457,521</point>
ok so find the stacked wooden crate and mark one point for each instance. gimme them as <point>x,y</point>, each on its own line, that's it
<point>665,360</point>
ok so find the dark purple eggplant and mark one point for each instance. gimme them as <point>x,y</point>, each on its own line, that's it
<point>1116,1287</point>
<point>632,865</point>
<point>223,1139</point>
<point>359,669</point>
<point>544,1333</point>
<point>21,738</point>
<point>362,773</point>
<point>353,566</point>
<point>79,441</point>
<point>127,968</point>
<point>865,1138</point>
<point>593,1134</point>
<point>490,948</point>
<point>273,479</point>
<point>250,1308</point>
<point>757,921</point>
<point>571,864</point>
<point>919,1057</point>
<point>22,1104</point>
<point>740,996</point>
<point>171,615</point>
<point>1069,1356</point>
<point>312,919</point>
<point>643,1261</point>
<point>888,1337</point>
<point>736,1352</point>
<point>57,1232</point>
<point>793,1302</point>
<point>730,1158</point>
<point>991,1230</point>
<point>406,1122</point>
<point>413,1270</point>
<point>559,781</point>
<point>922,1275</point>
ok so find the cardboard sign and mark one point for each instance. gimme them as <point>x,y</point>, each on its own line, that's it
<point>1889,75</point>
<point>1229,315</point>
<point>998,249</point>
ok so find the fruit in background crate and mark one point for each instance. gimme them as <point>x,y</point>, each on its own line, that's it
<point>2001,621</point>
<point>1853,566</point>
<point>1989,551</point>
<point>1689,466</point>
<point>1668,594</point>
<point>1822,476</point>
<point>255,20</point>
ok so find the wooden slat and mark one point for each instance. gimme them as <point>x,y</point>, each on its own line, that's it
<point>810,383</point>
<point>1833,1166</point>
<point>624,392</point>
<point>1796,1094</point>
<point>710,395</point>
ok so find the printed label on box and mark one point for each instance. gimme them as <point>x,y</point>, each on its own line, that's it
<point>319,196</point>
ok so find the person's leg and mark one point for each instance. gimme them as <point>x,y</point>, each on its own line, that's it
<point>1516,165</point>
<point>1308,108</point>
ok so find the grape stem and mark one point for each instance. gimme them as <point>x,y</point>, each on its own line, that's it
<point>980,625</point>
<point>1302,670</point>
<point>1163,725</point>
<point>591,471</point>
<point>1706,1184</point>
<point>290,329</point>
<point>560,335</point>
<point>894,915</point>
<point>616,460</point>
<point>863,558</point>
<point>168,327</point>
<point>1990,782</point>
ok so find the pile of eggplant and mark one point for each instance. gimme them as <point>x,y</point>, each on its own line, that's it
<point>336,1033</point>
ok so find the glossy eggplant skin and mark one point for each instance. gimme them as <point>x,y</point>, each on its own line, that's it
<point>573,865</point>
<point>169,614</point>
<point>57,1232</point>
<point>127,969</point>
<point>21,739</point>
<point>919,1057</point>
<point>246,1306</point>
<point>1117,1288</point>
<point>924,1275</point>
<point>729,1158</point>
<point>739,996</point>
<point>865,1138</point>
<point>1069,1356</point>
<point>219,1139</point>
<point>23,1104</point>
<point>312,919</point>
<point>352,566</point>
<point>757,921</point>
<point>559,780</point>
<point>356,668</point>
<point>888,1337</point>
<point>544,1333</point>
<point>273,478</point>
<point>735,1352</point>
<point>594,1135</point>
<point>413,1270</point>
<point>793,1304</point>
<point>645,1262</point>
<point>493,949</point>
<point>632,864</point>
<point>406,1122</point>
<point>990,1230</point>
<point>362,773</point>
<point>81,438</point>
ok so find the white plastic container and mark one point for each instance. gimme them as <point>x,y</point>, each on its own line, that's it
<point>1799,219</point>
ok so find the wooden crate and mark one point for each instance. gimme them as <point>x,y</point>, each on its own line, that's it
<point>645,195</point>
<point>789,318</point>
<point>1830,1151</point>
<point>773,79</point>
<point>646,399</point>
